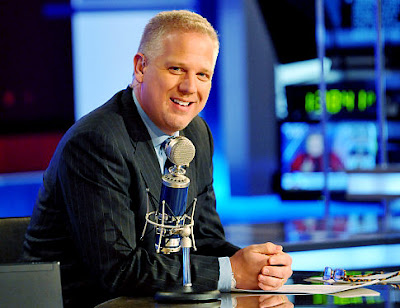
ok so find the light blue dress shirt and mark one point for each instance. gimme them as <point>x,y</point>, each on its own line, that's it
<point>158,137</point>
<point>156,134</point>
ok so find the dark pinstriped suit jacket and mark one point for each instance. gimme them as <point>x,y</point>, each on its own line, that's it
<point>90,210</point>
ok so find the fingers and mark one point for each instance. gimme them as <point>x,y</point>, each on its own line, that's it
<point>267,248</point>
<point>246,264</point>
<point>272,277</point>
<point>274,271</point>
<point>280,259</point>
<point>263,266</point>
<point>268,283</point>
<point>275,275</point>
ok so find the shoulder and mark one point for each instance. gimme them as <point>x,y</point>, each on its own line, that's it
<point>110,118</point>
<point>105,124</point>
<point>101,117</point>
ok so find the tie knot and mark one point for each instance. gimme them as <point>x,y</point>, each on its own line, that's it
<point>164,143</point>
<point>164,162</point>
<point>163,146</point>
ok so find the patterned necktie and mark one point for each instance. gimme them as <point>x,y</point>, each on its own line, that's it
<point>166,161</point>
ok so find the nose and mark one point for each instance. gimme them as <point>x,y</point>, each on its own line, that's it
<point>188,84</point>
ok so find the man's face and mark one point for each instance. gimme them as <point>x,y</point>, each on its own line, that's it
<point>174,86</point>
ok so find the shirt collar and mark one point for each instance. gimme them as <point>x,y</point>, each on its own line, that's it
<point>156,134</point>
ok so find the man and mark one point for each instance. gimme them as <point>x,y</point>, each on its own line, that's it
<point>90,211</point>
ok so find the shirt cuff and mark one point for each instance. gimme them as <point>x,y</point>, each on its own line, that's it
<point>225,274</point>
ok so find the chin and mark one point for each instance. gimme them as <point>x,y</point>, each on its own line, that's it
<point>179,126</point>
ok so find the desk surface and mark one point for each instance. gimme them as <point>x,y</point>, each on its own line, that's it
<point>389,297</point>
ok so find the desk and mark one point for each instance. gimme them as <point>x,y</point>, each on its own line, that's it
<point>389,298</point>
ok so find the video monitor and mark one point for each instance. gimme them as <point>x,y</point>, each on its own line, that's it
<point>352,145</point>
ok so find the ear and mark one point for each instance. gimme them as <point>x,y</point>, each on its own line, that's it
<point>139,64</point>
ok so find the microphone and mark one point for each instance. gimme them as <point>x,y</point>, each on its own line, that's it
<point>180,150</point>
<point>173,198</point>
<point>173,226</point>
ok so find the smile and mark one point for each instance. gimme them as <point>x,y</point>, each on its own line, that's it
<point>180,103</point>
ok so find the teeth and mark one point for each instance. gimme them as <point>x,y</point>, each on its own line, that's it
<point>181,103</point>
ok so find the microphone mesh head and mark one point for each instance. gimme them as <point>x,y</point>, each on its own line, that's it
<point>180,151</point>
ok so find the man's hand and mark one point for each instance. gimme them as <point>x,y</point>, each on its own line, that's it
<point>276,273</point>
<point>261,266</point>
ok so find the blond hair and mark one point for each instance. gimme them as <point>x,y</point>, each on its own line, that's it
<point>170,21</point>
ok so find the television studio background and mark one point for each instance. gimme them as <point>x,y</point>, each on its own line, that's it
<point>304,111</point>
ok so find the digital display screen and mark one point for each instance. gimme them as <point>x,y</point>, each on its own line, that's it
<point>343,101</point>
<point>352,145</point>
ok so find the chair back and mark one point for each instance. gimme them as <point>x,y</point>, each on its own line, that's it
<point>12,234</point>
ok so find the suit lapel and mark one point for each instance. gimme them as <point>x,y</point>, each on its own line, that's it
<point>144,150</point>
<point>144,154</point>
<point>149,167</point>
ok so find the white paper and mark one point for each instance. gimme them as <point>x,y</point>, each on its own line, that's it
<point>380,277</point>
<point>356,293</point>
<point>311,289</point>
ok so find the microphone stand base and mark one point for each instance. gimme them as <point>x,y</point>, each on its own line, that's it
<point>188,294</point>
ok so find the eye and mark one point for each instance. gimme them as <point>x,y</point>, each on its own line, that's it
<point>175,70</point>
<point>203,76</point>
